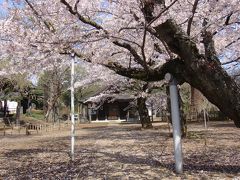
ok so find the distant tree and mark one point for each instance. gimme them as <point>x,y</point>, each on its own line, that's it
<point>15,87</point>
<point>53,82</point>
<point>7,89</point>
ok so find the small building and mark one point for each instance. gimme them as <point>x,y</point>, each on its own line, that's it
<point>103,105</point>
<point>109,108</point>
<point>11,106</point>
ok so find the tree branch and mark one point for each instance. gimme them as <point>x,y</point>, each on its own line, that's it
<point>191,18</point>
<point>80,17</point>
<point>163,11</point>
<point>130,28</point>
<point>232,42</point>
<point>228,18</point>
<point>143,45</point>
<point>209,47</point>
<point>177,41</point>
<point>175,67</point>
<point>229,62</point>
<point>76,4</point>
<point>127,40</point>
<point>137,58</point>
<point>48,25</point>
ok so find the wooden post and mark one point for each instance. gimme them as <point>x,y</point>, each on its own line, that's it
<point>27,133</point>
<point>4,132</point>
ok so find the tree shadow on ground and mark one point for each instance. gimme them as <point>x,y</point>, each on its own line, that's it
<point>125,151</point>
<point>189,165</point>
<point>224,124</point>
<point>98,163</point>
<point>86,164</point>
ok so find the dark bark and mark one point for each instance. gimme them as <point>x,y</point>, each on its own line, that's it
<point>182,117</point>
<point>175,67</point>
<point>147,9</point>
<point>5,108</point>
<point>18,112</point>
<point>143,113</point>
<point>207,76</point>
<point>190,21</point>
<point>24,104</point>
<point>168,104</point>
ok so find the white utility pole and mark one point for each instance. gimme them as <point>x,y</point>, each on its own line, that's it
<point>72,107</point>
<point>205,118</point>
<point>175,113</point>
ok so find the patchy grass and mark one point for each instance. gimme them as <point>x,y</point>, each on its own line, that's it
<point>37,114</point>
<point>34,116</point>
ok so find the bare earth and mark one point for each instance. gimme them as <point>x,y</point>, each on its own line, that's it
<point>117,151</point>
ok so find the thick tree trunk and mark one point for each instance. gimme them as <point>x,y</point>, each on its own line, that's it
<point>206,75</point>
<point>183,117</point>
<point>143,113</point>
<point>50,114</point>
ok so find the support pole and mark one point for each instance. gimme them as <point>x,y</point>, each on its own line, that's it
<point>72,108</point>
<point>175,113</point>
<point>205,119</point>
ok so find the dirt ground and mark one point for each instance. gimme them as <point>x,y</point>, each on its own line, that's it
<point>116,151</point>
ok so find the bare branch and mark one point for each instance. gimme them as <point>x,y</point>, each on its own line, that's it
<point>130,28</point>
<point>228,18</point>
<point>127,40</point>
<point>191,18</point>
<point>175,67</point>
<point>208,42</point>
<point>143,45</point>
<point>137,58</point>
<point>80,17</point>
<point>48,25</point>
<point>76,4</point>
<point>232,61</point>
<point>232,42</point>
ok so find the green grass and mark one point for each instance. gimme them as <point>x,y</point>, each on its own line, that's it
<point>36,114</point>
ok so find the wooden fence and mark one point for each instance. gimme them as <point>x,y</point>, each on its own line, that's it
<point>30,128</point>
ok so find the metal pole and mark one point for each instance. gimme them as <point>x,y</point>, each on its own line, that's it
<point>72,107</point>
<point>205,119</point>
<point>175,113</point>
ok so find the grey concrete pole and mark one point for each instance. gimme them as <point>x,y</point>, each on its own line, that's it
<point>175,113</point>
<point>72,107</point>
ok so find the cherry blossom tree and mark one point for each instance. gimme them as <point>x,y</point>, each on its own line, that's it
<point>192,54</point>
<point>196,41</point>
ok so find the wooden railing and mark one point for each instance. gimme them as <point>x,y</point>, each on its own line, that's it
<point>30,128</point>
